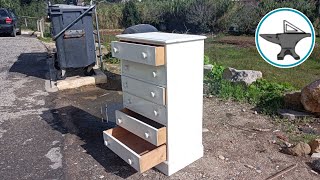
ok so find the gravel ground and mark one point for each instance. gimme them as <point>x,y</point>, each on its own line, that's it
<point>59,135</point>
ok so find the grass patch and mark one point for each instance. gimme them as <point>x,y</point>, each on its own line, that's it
<point>247,57</point>
<point>46,39</point>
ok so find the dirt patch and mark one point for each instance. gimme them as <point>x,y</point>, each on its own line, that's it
<point>242,41</point>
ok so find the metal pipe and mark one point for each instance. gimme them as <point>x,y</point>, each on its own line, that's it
<point>98,36</point>
<point>73,22</point>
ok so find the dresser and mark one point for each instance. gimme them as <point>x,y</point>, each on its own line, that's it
<point>162,82</point>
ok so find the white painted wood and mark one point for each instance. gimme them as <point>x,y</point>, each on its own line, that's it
<point>145,54</point>
<point>151,74</point>
<point>123,151</point>
<point>160,38</point>
<point>184,105</point>
<point>139,127</point>
<point>144,90</point>
<point>182,113</point>
<point>146,108</point>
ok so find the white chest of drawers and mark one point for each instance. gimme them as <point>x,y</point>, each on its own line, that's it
<point>162,77</point>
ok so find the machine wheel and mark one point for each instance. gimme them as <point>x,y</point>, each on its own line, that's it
<point>14,32</point>
<point>89,71</point>
<point>61,74</point>
<point>140,28</point>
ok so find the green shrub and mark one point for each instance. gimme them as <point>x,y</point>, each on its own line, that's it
<point>267,96</point>
<point>206,60</point>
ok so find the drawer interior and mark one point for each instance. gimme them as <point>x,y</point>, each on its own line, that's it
<point>132,141</point>
<point>140,125</point>
<point>142,118</point>
<point>128,143</point>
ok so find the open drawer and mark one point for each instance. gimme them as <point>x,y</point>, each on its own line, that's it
<point>138,153</point>
<point>141,126</point>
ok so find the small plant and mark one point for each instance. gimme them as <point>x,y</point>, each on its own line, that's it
<point>206,60</point>
<point>111,60</point>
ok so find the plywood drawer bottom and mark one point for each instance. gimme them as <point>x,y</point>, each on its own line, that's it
<point>138,153</point>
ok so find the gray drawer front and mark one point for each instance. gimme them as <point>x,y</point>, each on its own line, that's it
<point>150,92</point>
<point>151,74</point>
<point>146,108</point>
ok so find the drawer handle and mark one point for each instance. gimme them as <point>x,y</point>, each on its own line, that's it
<point>115,50</point>
<point>119,121</point>
<point>129,161</point>
<point>153,94</point>
<point>144,55</point>
<point>155,113</point>
<point>154,74</point>
<point>129,101</point>
<point>106,143</point>
<point>146,135</point>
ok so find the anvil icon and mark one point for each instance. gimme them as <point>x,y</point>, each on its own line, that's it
<point>287,40</point>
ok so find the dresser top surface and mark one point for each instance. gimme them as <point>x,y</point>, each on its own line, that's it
<point>160,38</point>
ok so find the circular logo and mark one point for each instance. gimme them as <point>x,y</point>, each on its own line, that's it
<point>285,37</point>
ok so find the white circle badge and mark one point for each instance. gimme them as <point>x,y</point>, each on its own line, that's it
<point>285,37</point>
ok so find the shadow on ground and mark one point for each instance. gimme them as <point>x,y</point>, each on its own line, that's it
<point>31,64</point>
<point>72,120</point>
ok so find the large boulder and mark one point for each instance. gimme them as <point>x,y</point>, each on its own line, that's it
<point>292,100</point>
<point>245,77</point>
<point>310,97</point>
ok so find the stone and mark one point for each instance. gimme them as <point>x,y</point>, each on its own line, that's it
<point>292,115</point>
<point>292,100</point>
<point>301,149</point>
<point>315,146</point>
<point>310,97</point>
<point>315,165</point>
<point>245,77</point>
<point>315,155</point>
<point>206,89</point>
<point>205,130</point>
<point>207,68</point>
<point>222,157</point>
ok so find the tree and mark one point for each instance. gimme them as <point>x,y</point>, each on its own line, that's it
<point>131,15</point>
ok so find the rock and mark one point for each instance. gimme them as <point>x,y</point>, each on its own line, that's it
<point>292,115</point>
<point>207,68</point>
<point>315,165</point>
<point>292,100</point>
<point>245,77</point>
<point>315,146</point>
<point>310,97</point>
<point>222,157</point>
<point>205,130</point>
<point>315,155</point>
<point>301,149</point>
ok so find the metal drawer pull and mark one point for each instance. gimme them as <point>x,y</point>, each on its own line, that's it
<point>155,113</point>
<point>144,55</point>
<point>115,50</point>
<point>129,101</point>
<point>146,135</point>
<point>106,143</point>
<point>119,121</point>
<point>154,74</point>
<point>153,94</point>
<point>129,161</point>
